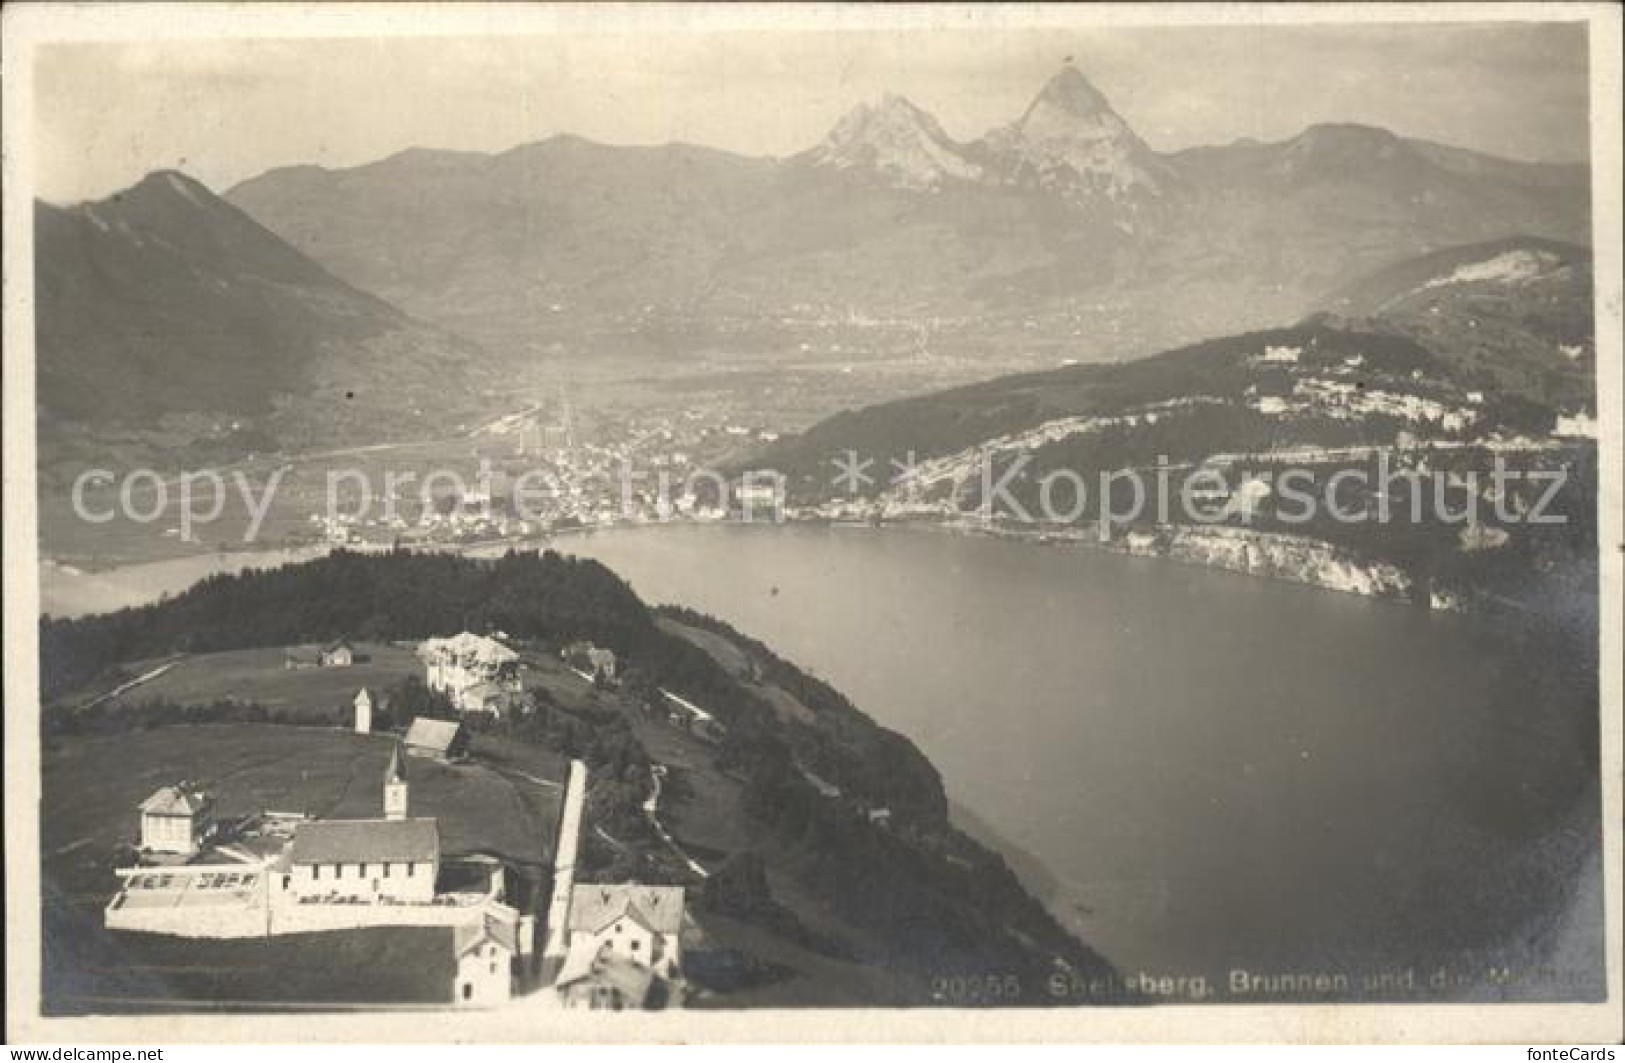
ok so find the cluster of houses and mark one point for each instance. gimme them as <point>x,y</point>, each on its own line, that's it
<point>338,655</point>
<point>609,946</point>
<point>282,873</point>
<point>619,945</point>
<point>623,947</point>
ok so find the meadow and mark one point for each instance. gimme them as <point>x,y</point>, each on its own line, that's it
<point>258,675</point>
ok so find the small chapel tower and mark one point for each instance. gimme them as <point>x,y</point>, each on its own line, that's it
<point>395,785</point>
<point>363,712</point>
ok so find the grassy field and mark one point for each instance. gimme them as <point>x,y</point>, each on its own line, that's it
<point>326,971</point>
<point>92,786</point>
<point>546,673</point>
<point>721,650</point>
<point>704,809</point>
<point>504,802</point>
<point>258,675</point>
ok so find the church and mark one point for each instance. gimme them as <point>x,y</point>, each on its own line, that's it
<point>395,859</point>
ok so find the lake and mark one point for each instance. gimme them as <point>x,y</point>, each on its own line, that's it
<point>1215,772</point>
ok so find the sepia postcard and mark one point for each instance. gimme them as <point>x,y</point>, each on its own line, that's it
<point>812,522</point>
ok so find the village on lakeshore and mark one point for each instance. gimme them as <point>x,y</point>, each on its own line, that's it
<point>194,872</point>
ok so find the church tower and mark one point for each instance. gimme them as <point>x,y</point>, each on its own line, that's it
<point>395,785</point>
<point>363,712</point>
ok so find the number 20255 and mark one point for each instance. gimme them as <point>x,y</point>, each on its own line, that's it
<point>976,988</point>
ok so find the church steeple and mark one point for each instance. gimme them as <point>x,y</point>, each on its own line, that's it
<point>395,785</point>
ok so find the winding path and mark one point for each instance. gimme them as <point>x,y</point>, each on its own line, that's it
<point>651,809</point>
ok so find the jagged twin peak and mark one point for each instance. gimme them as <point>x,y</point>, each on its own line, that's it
<point>899,142</point>
<point>1069,140</point>
<point>1072,140</point>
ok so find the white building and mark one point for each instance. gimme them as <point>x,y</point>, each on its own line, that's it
<point>485,953</point>
<point>758,493</point>
<point>370,859</point>
<point>596,661</point>
<point>339,655</point>
<point>363,712</point>
<point>1580,425</point>
<point>620,941</point>
<point>479,674</point>
<point>334,875</point>
<point>396,791</point>
<point>177,819</point>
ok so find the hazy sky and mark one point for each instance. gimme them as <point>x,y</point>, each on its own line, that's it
<point>226,111</point>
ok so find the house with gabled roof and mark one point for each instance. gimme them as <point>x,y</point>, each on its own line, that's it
<point>339,654</point>
<point>485,952</point>
<point>477,673</point>
<point>439,739</point>
<point>596,662</point>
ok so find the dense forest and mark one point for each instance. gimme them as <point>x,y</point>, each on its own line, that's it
<point>371,597</point>
<point>845,746</point>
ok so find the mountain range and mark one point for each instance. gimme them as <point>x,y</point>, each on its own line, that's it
<point>312,307</point>
<point>1504,325</point>
<point>1451,361</point>
<point>1064,221</point>
<point>1512,316</point>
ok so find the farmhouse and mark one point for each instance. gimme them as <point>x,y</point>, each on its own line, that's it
<point>438,739</point>
<point>177,819</point>
<point>685,714</point>
<point>479,674</point>
<point>339,655</point>
<point>334,876</point>
<point>621,941</point>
